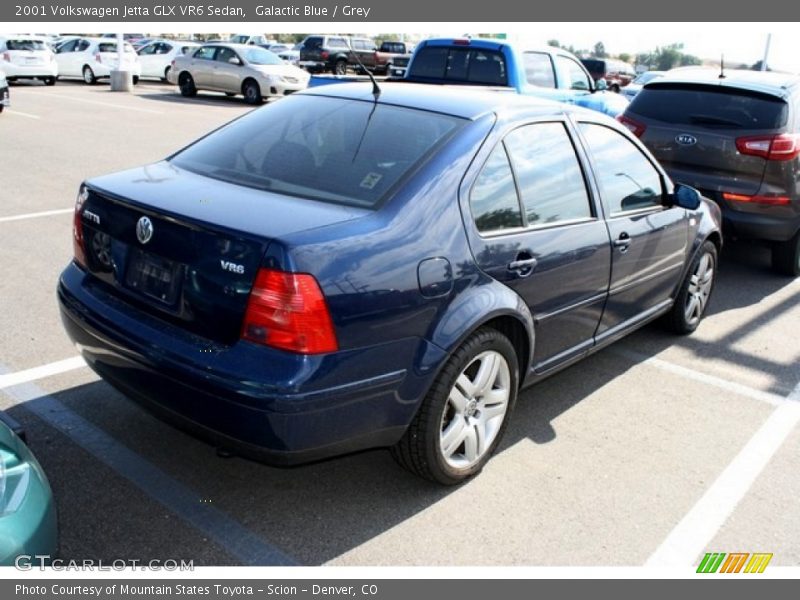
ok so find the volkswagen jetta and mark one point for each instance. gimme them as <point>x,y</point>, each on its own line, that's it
<point>353,268</point>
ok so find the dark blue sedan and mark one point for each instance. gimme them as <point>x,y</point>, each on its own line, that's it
<point>344,270</point>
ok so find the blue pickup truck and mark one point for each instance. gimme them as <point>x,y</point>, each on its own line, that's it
<point>545,72</point>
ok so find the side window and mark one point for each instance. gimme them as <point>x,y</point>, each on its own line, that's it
<point>205,53</point>
<point>628,181</point>
<point>577,79</point>
<point>164,48</point>
<point>149,49</point>
<point>225,54</point>
<point>82,45</point>
<point>67,47</point>
<point>539,69</point>
<point>493,200</point>
<point>337,43</point>
<point>549,176</point>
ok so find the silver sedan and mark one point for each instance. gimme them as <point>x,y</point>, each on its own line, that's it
<point>251,71</point>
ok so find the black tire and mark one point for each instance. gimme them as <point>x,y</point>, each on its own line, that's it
<point>186,85</point>
<point>88,75</point>
<point>615,88</point>
<point>695,290</point>
<point>786,256</point>
<point>420,449</point>
<point>252,92</point>
<point>340,67</point>
<point>135,79</point>
<point>49,80</point>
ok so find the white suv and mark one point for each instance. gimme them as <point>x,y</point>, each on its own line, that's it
<point>28,57</point>
<point>94,58</point>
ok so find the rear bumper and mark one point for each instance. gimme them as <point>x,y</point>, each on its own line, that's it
<point>32,71</point>
<point>774,224</point>
<point>272,406</point>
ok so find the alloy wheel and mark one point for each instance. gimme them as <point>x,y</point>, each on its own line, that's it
<point>700,285</point>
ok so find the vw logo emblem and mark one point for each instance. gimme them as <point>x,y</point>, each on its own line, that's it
<point>684,139</point>
<point>144,230</point>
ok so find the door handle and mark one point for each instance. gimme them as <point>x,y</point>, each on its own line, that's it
<point>623,242</point>
<point>523,264</point>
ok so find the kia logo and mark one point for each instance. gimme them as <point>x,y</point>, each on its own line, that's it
<point>684,139</point>
<point>144,230</point>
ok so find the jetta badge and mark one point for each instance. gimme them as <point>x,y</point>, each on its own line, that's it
<point>144,230</point>
<point>684,139</point>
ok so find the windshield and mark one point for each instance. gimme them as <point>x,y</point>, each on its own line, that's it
<point>645,77</point>
<point>329,149</point>
<point>259,56</point>
<point>23,44</point>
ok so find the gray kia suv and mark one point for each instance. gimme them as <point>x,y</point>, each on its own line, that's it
<point>735,138</point>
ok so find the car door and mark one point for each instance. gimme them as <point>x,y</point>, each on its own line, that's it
<point>228,76</point>
<point>649,240</point>
<point>65,58</point>
<point>202,67</point>
<point>148,59</point>
<point>535,227</point>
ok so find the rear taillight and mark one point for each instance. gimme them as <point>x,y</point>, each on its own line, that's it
<point>635,127</point>
<point>288,311</point>
<point>461,42</point>
<point>7,56</point>
<point>784,146</point>
<point>78,246</point>
<point>98,57</point>
<point>324,55</point>
<point>757,199</point>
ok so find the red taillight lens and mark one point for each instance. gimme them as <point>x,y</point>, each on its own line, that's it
<point>324,55</point>
<point>784,146</point>
<point>78,247</point>
<point>288,311</point>
<point>461,42</point>
<point>635,127</point>
<point>7,56</point>
<point>757,199</point>
<point>98,57</point>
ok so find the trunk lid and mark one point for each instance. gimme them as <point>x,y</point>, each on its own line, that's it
<point>187,247</point>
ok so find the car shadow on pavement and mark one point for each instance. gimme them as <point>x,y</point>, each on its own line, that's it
<point>206,99</point>
<point>318,512</point>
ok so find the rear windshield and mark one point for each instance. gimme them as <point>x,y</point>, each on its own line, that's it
<point>460,65</point>
<point>22,44</point>
<point>593,65</point>
<point>395,47</point>
<point>710,106</point>
<point>313,42</point>
<point>329,149</point>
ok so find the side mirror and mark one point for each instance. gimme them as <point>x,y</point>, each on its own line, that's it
<point>685,196</point>
<point>234,61</point>
<point>600,85</point>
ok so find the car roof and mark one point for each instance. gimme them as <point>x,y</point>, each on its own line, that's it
<point>466,102</point>
<point>765,82</point>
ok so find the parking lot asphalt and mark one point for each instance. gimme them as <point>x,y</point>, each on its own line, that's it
<point>653,451</point>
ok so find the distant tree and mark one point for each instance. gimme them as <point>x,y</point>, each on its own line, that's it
<point>553,43</point>
<point>757,66</point>
<point>600,50</point>
<point>624,57</point>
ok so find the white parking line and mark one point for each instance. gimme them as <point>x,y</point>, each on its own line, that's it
<point>107,104</point>
<point>700,525</point>
<point>40,372</point>
<point>725,384</point>
<point>45,213</point>
<point>22,114</point>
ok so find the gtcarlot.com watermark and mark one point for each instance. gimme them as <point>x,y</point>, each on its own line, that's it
<point>27,562</point>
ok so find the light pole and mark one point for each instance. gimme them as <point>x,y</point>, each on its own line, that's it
<point>121,80</point>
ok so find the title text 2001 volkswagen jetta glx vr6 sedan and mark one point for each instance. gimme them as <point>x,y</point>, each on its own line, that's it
<point>341,271</point>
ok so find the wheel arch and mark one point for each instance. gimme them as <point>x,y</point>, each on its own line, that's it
<point>492,305</point>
